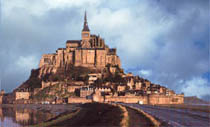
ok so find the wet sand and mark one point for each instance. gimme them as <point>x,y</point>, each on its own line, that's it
<point>54,109</point>
<point>19,115</point>
<point>90,114</point>
<point>94,115</point>
<point>101,115</point>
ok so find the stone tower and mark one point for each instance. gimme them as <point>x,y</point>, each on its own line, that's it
<point>85,34</point>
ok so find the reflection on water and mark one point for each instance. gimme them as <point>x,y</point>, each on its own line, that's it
<point>17,117</point>
<point>8,122</point>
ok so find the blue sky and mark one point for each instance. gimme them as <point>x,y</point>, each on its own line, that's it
<point>165,41</point>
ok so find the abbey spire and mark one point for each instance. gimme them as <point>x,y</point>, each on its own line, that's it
<point>85,27</point>
<point>85,34</point>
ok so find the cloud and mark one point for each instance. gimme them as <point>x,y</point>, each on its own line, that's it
<point>164,41</point>
<point>41,7</point>
<point>71,3</point>
<point>196,85</point>
<point>27,62</point>
<point>145,73</point>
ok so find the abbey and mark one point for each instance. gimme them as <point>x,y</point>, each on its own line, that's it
<point>87,70</point>
<point>91,52</point>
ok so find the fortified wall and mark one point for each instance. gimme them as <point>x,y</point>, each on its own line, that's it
<point>150,99</point>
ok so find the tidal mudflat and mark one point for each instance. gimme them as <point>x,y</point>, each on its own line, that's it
<point>30,114</point>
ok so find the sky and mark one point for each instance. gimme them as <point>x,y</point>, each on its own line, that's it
<point>165,41</point>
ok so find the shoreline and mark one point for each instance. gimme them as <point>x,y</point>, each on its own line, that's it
<point>100,114</point>
<point>55,109</point>
<point>88,114</point>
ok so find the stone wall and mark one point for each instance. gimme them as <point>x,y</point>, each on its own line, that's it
<point>126,99</point>
<point>79,100</point>
<point>78,57</point>
<point>86,57</point>
<point>69,58</point>
<point>101,58</point>
<point>162,99</point>
<point>86,92</point>
<point>47,84</point>
<point>47,70</point>
<point>97,96</point>
<point>47,59</point>
<point>72,45</point>
<point>151,99</point>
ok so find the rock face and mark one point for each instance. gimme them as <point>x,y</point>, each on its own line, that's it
<point>91,52</point>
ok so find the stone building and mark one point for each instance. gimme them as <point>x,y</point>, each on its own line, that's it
<point>22,95</point>
<point>147,83</point>
<point>138,85</point>
<point>121,88</point>
<point>1,96</point>
<point>130,82</point>
<point>97,97</point>
<point>72,89</point>
<point>104,89</point>
<point>47,84</point>
<point>79,100</point>
<point>93,77</point>
<point>91,51</point>
<point>86,91</point>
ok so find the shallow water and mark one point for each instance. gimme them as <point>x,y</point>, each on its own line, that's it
<point>11,116</point>
<point>8,122</point>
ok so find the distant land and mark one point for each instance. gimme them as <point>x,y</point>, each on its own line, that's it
<point>194,100</point>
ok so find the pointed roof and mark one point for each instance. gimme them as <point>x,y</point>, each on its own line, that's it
<point>85,27</point>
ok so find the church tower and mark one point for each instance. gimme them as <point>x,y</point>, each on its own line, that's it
<point>85,34</point>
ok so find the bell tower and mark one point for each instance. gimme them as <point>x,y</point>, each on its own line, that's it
<point>85,33</point>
